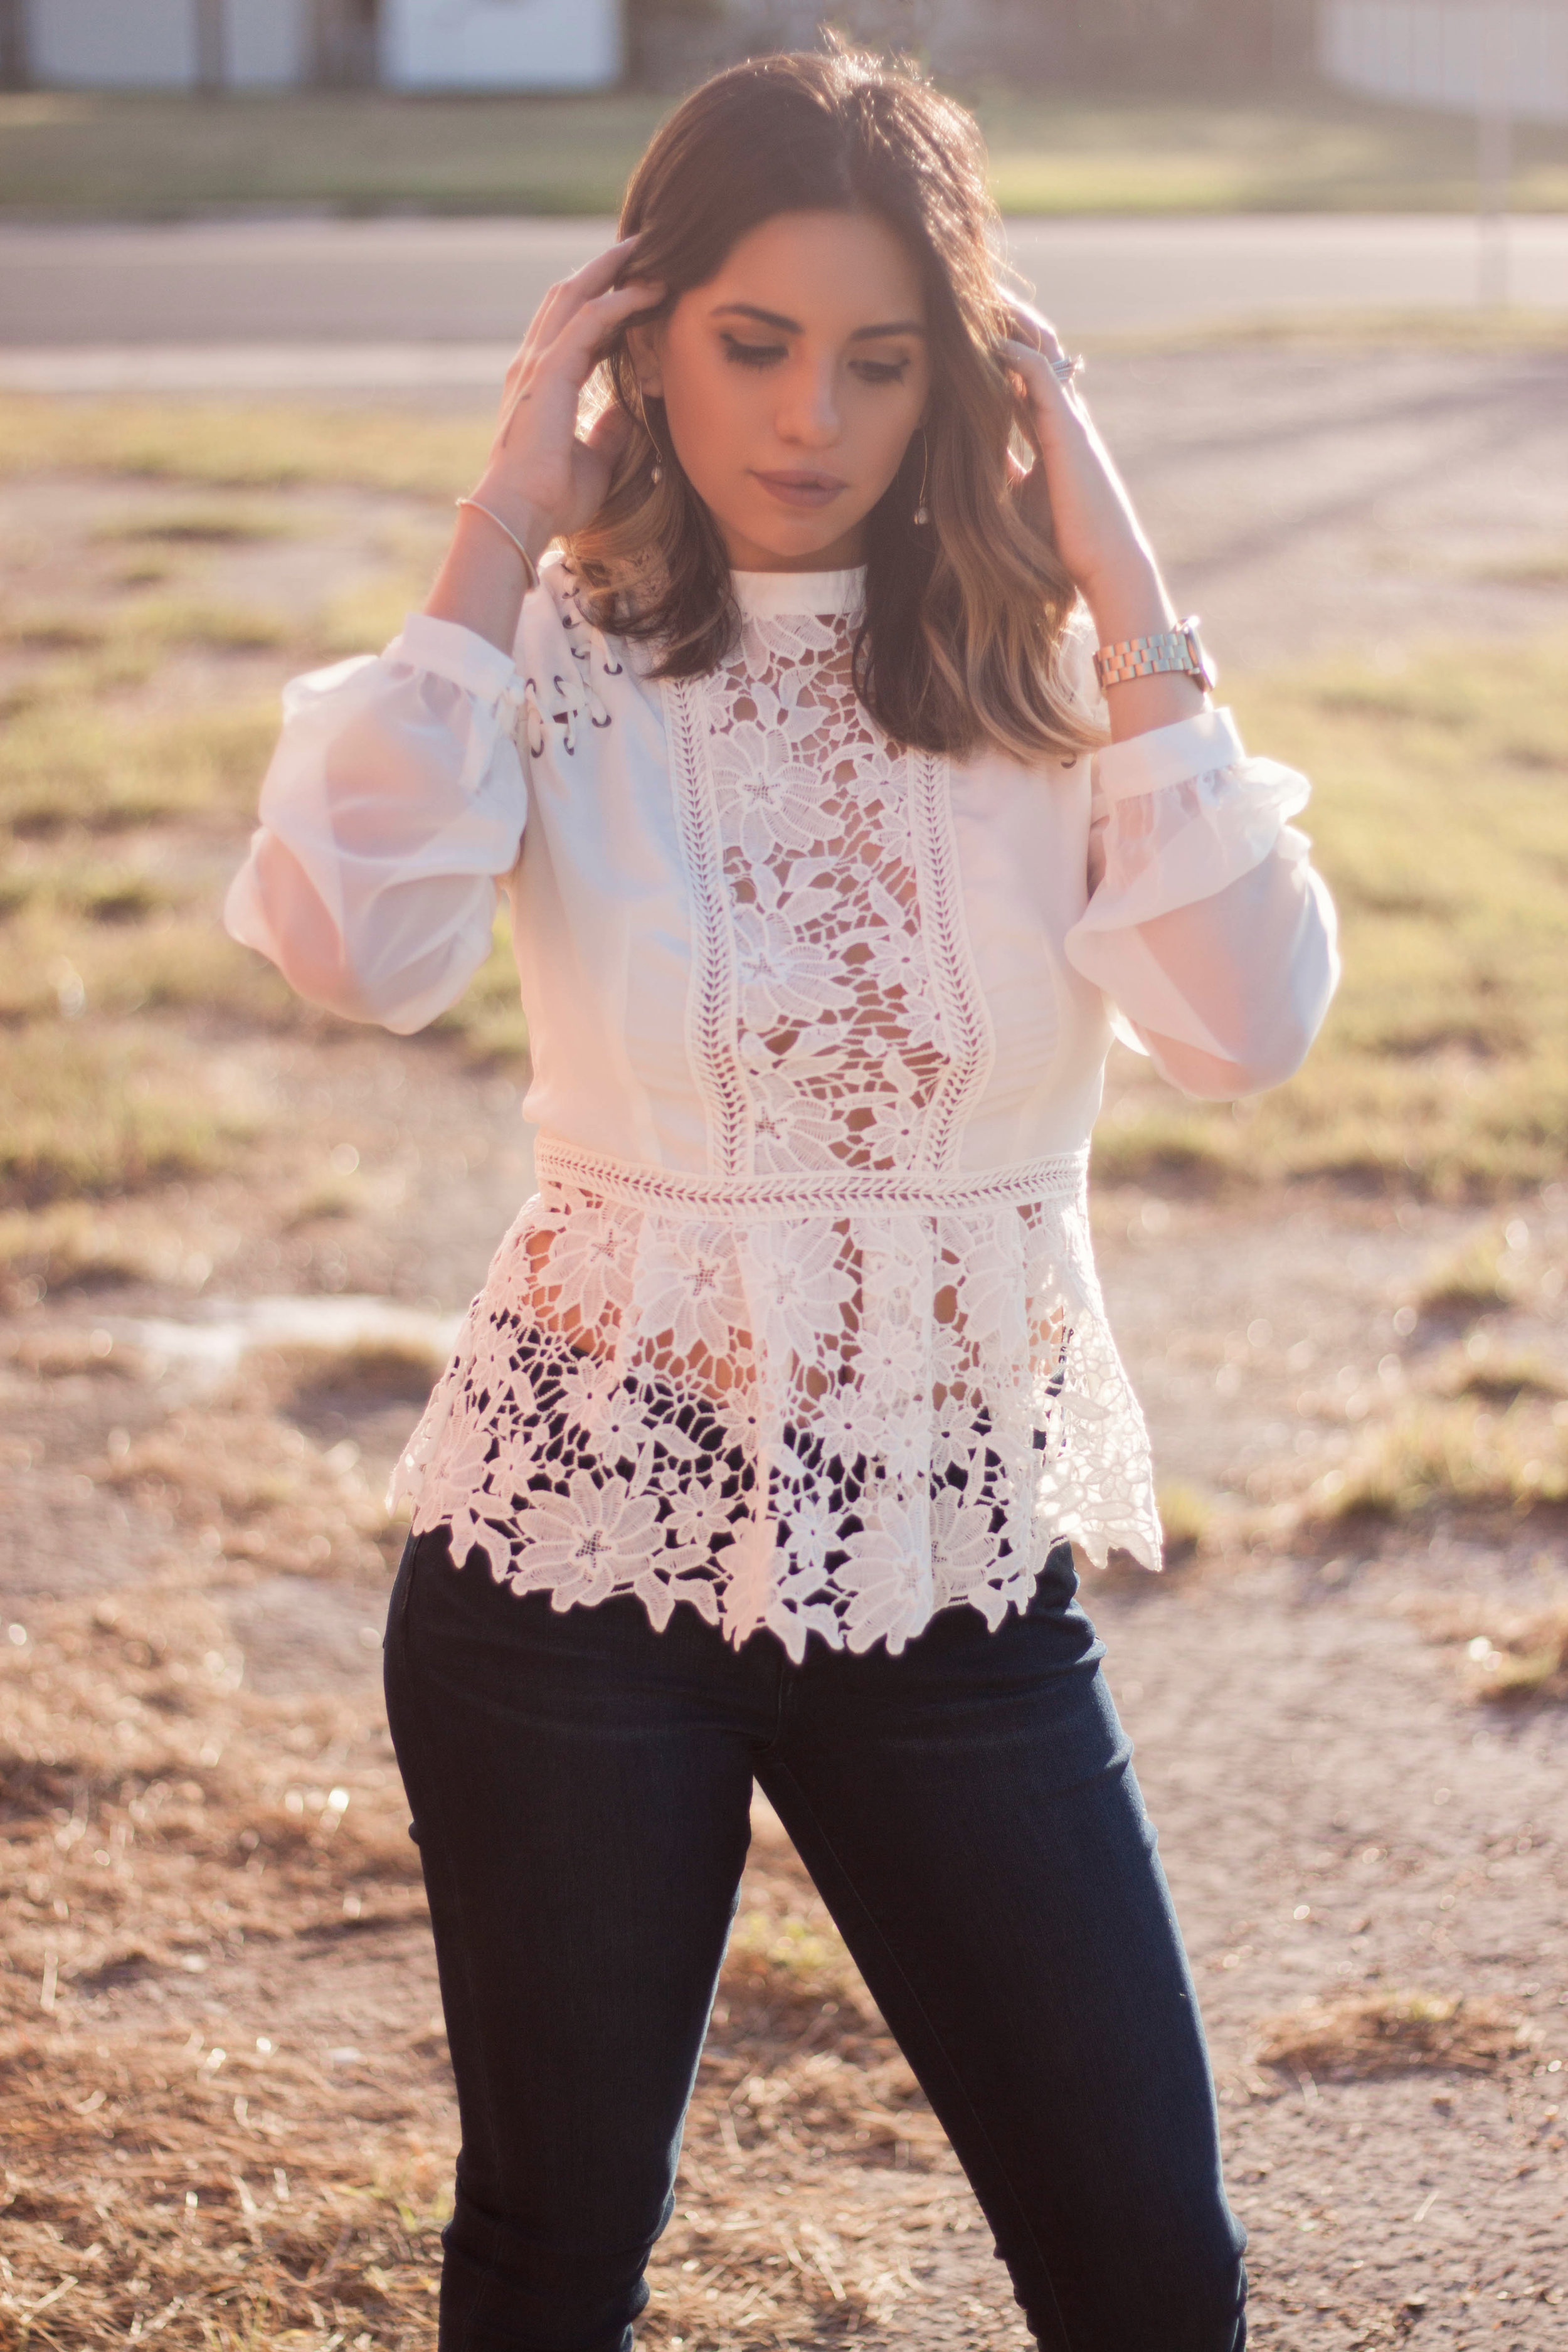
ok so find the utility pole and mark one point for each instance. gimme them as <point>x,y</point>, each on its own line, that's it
<point>1494,154</point>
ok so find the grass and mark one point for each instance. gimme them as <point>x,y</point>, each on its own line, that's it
<point>253,446</point>
<point>1391,2033</point>
<point>1514,1654</point>
<point>100,1113</point>
<point>155,1812</point>
<point>1500,1376</point>
<point>132,641</point>
<point>397,1369</point>
<point>1328,155</point>
<point>92,155</point>
<point>70,765</point>
<point>92,1246</point>
<point>228,524</point>
<point>1521,1657</point>
<point>1440,821</point>
<point>1186,1518</point>
<point>1478,1279</point>
<point>1460,1452</point>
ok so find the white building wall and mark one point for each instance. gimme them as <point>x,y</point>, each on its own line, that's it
<point>268,43</point>
<point>501,44</point>
<point>113,43</point>
<point>1450,52</point>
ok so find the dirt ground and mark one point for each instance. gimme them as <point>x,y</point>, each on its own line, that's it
<point>227,2109</point>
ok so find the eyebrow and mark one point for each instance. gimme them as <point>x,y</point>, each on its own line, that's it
<point>792,326</point>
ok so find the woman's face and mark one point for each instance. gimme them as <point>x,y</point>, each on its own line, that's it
<point>791,382</point>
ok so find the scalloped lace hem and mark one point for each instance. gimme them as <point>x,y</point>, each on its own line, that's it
<point>803,1409</point>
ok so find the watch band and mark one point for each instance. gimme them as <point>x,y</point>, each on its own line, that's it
<point>1179,649</point>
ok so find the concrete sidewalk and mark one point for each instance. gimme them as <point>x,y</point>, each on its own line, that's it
<point>417,304</point>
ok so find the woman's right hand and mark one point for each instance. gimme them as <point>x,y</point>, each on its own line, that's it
<point>543,476</point>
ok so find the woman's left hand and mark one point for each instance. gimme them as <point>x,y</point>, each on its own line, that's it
<point>1074,492</point>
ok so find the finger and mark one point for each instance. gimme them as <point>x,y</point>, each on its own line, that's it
<point>1038,369</point>
<point>597,320</point>
<point>1028,362</point>
<point>576,346</point>
<point>605,268</point>
<point>568,294</point>
<point>1039,332</point>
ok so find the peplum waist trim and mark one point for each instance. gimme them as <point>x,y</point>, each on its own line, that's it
<point>828,1192</point>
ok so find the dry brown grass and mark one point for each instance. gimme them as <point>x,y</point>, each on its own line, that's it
<point>1486,1274</point>
<point>224,446</point>
<point>103,1111</point>
<point>149,154</point>
<point>1186,1520</point>
<point>156,1823</point>
<point>82,1242</point>
<point>1499,1375</point>
<point>1460,1454</point>
<point>1513,1655</point>
<point>249,1487</point>
<point>1443,1066</point>
<point>1389,2033</point>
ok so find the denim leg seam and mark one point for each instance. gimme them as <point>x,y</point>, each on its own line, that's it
<point>937,2038</point>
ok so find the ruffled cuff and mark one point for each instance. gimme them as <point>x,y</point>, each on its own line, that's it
<point>448,649</point>
<point>395,799</point>
<point>435,679</point>
<point>1181,812</point>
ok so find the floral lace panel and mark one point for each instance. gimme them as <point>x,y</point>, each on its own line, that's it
<point>852,1031</point>
<point>647,1404</point>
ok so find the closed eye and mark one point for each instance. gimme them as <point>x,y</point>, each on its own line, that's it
<point>881,371</point>
<point>752,355</point>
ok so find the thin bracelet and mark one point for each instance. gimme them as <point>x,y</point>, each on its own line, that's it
<point>532,568</point>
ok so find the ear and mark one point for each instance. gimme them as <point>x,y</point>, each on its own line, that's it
<point>646,344</point>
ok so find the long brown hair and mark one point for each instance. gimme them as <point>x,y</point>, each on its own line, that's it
<point>964,618</point>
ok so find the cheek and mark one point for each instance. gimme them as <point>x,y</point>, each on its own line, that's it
<point>712,430</point>
<point>888,420</point>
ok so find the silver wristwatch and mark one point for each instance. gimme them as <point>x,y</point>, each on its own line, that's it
<point>1179,649</point>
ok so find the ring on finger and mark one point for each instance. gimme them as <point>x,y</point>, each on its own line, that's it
<point>1065,369</point>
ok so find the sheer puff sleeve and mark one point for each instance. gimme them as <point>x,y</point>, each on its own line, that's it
<point>1206,926</point>
<point>394,801</point>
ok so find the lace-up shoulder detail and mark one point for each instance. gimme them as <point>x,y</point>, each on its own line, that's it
<point>832,1384</point>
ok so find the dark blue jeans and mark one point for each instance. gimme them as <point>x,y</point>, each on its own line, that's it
<point>581,1784</point>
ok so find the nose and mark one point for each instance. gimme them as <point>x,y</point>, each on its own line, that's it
<point>808,414</point>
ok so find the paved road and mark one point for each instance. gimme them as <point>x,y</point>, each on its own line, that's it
<point>260,304</point>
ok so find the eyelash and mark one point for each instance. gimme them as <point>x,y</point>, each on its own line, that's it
<point>761,355</point>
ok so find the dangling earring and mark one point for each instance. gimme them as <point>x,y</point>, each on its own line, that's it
<point>656,475</point>
<point>922,513</point>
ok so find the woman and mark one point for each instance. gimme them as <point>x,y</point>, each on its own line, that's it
<point>766,1445</point>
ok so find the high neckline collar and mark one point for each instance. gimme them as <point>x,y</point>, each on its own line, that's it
<point>768,595</point>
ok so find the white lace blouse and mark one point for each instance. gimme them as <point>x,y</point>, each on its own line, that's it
<point>802,1326</point>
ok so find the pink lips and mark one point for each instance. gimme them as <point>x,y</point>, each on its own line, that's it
<point>803,489</point>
